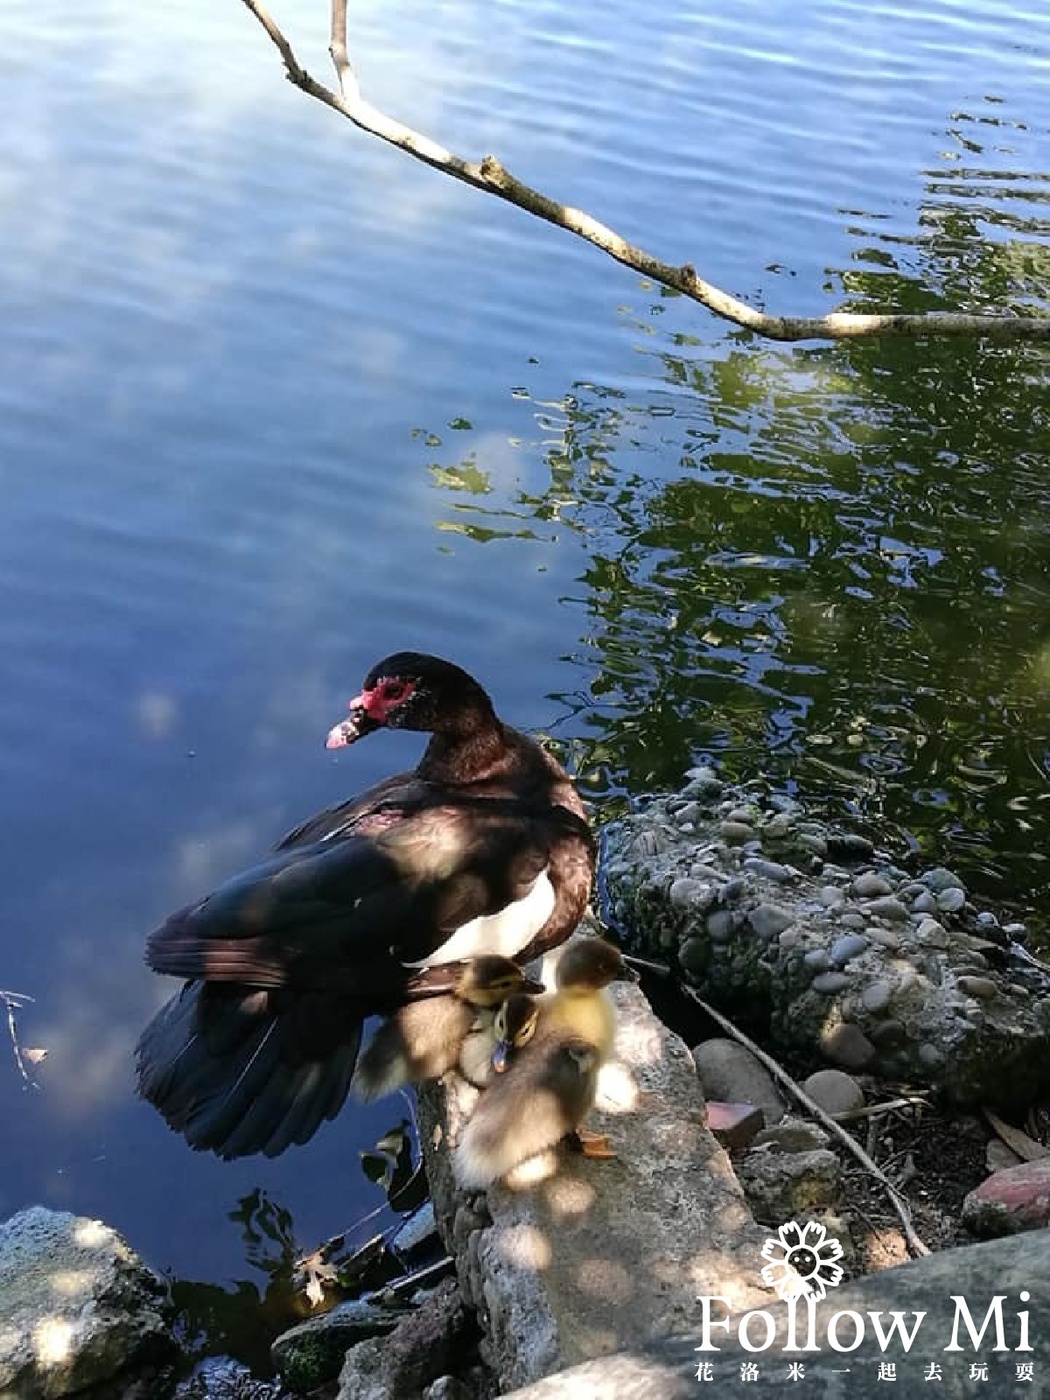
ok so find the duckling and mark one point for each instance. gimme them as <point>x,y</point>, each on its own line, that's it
<point>428,1037</point>
<point>547,1057</point>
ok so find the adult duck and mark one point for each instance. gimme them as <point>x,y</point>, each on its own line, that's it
<point>484,848</point>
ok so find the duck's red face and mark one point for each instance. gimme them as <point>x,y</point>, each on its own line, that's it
<point>379,705</point>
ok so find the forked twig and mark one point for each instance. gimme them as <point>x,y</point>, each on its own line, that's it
<point>492,177</point>
<point>900,1205</point>
<point>14,1001</point>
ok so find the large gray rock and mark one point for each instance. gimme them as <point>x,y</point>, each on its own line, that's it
<point>602,1253</point>
<point>767,914</point>
<point>1017,1271</point>
<point>430,1341</point>
<point>77,1308</point>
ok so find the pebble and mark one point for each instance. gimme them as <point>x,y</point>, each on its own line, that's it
<point>951,900</point>
<point>887,1034</point>
<point>809,842</point>
<point>736,833</point>
<point>1016,1198</point>
<point>924,903</point>
<point>733,889</point>
<point>767,869</point>
<point>767,920</point>
<point>816,960</point>
<point>986,919</point>
<point>794,1134</point>
<point>689,893</point>
<point>835,1091</point>
<point>849,846</point>
<point>876,996</point>
<point>731,1073</point>
<point>939,879</point>
<point>870,884</point>
<point>720,925</point>
<point>981,988</point>
<point>831,896</point>
<point>886,908</point>
<point>851,919</point>
<point>848,1046</point>
<point>931,1056</point>
<point>829,982</point>
<point>930,931</point>
<point>1015,930</point>
<point>694,956</point>
<point>848,946</point>
<point>885,937</point>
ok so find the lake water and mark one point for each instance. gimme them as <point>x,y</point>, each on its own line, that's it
<point>275,400</point>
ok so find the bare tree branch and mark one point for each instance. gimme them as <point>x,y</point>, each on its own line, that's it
<point>492,177</point>
<point>900,1205</point>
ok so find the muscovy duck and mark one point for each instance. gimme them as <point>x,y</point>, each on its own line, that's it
<point>484,848</point>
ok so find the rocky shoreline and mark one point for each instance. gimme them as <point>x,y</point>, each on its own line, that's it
<point>903,1008</point>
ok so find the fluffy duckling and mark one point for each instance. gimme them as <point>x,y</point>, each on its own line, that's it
<point>428,1037</point>
<point>548,1054</point>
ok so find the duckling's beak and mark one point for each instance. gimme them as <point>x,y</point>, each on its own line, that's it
<point>348,731</point>
<point>534,988</point>
<point>501,1055</point>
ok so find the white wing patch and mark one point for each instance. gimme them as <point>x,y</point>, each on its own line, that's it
<point>506,932</point>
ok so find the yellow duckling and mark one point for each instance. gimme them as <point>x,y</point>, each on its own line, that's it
<point>426,1038</point>
<point>548,1053</point>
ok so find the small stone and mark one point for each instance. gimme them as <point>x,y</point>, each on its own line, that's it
<point>736,833</point>
<point>767,920</point>
<point>831,896</point>
<point>924,903</point>
<point>951,900</point>
<point>816,960</point>
<point>930,931</point>
<point>887,1034</point>
<point>687,893</point>
<point>835,1091</point>
<point>851,919</point>
<point>1015,930</point>
<point>869,884</point>
<point>847,846</point>
<point>734,1124</point>
<point>720,925</point>
<point>939,879</point>
<point>884,937</point>
<point>986,919</point>
<point>887,908</point>
<point>828,983</point>
<point>1015,1199</point>
<point>876,996</point>
<point>729,1072</point>
<point>931,1056</point>
<point>847,1045</point>
<point>447,1388</point>
<point>850,945</point>
<point>981,988</point>
<point>976,967</point>
<point>783,1185</point>
<point>733,889</point>
<point>694,956</point>
<point>767,869</point>
<point>688,814</point>
<point>810,842</point>
<point>793,1135</point>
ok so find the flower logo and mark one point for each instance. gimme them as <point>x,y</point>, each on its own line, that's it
<point>802,1261</point>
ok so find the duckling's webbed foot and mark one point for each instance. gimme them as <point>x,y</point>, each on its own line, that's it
<point>594,1145</point>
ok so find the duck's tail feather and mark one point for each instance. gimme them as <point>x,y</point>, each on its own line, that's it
<point>239,1071</point>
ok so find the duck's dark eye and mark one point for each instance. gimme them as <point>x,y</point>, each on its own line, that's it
<point>395,690</point>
